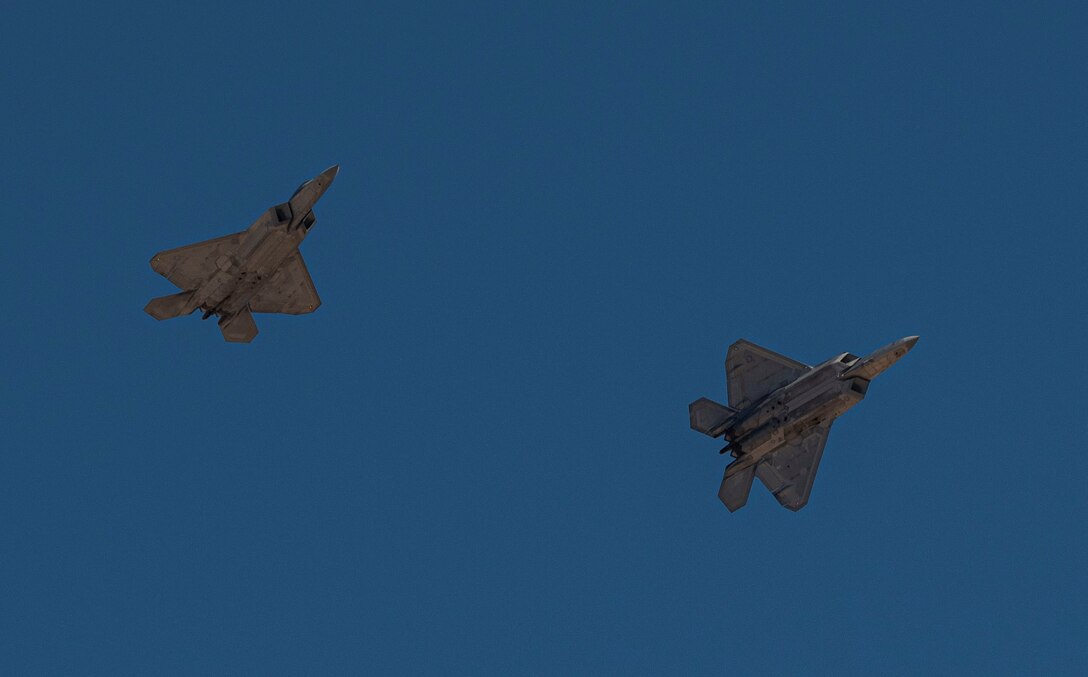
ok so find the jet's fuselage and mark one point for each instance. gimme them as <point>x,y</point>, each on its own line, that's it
<point>817,398</point>
<point>239,277</point>
<point>780,413</point>
<point>257,270</point>
<point>267,244</point>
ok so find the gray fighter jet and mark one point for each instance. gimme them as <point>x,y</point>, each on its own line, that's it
<point>259,270</point>
<point>780,412</point>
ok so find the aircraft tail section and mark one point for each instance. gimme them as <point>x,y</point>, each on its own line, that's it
<point>238,328</point>
<point>736,484</point>
<point>175,305</point>
<point>709,417</point>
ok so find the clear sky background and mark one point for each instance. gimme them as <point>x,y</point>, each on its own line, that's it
<point>549,225</point>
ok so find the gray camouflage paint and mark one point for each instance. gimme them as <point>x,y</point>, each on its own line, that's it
<point>259,270</point>
<point>780,413</point>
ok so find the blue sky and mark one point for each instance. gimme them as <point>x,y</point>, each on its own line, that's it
<point>550,223</point>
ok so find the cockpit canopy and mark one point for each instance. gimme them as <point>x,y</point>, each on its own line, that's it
<point>304,184</point>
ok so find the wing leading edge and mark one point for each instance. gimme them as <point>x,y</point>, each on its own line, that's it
<point>189,266</point>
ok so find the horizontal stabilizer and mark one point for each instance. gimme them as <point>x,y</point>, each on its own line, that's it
<point>709,417</point>
<point>736,485</point>
<point>166,307</point>
<point>238,328</point>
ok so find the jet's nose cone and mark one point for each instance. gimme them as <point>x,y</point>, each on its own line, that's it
<point>331,172</point>
<point>909,341</point>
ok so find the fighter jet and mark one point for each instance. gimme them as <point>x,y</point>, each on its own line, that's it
<point>780,412</point>
<point>259,270</point>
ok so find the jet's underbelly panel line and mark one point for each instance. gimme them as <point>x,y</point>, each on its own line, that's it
<point>239,277</point>
<point>784,404</point>
<point>259,268</point>
<point>253,242</point>
<point>269,254</point>
<point>790,414</point>
<point>218,287</point>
